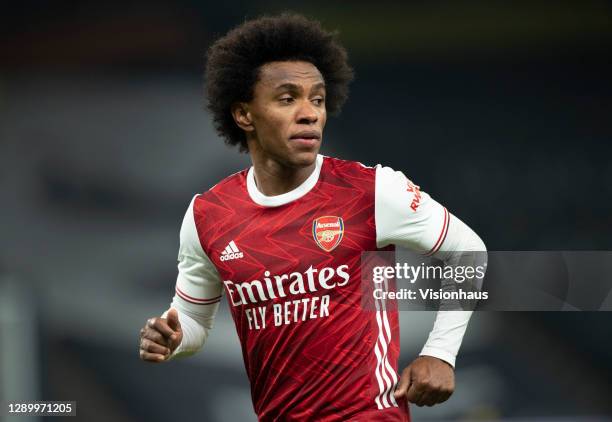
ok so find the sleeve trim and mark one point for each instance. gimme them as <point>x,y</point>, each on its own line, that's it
<point>442,236</point>
<point>440,354</point>
<point>195,300</point>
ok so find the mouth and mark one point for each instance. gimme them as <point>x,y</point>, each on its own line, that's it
<point>306,136</point>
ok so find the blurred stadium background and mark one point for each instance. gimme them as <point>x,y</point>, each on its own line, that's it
<point>501,110</point>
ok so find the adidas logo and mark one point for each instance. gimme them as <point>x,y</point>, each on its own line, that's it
<point>231,252</point>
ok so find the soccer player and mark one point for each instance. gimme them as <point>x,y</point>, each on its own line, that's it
<point>283,239</point>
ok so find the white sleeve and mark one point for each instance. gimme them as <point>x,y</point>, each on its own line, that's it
<point>407,217</point>
<point>198,289</point>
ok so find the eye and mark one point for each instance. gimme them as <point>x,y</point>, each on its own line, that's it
<point>318,101</point>
<point>286,100</point>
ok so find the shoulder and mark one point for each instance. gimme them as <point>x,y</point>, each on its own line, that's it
<point>348,168</point>
<point>234,184</point>
<point>218,202</point>
<point>383,175</point>
<point>393,186</point>
<point>386,175</point>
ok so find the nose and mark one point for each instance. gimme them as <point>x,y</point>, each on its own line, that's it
<point>307,113</point>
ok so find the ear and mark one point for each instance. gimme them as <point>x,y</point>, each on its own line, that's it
<point>242,116</point>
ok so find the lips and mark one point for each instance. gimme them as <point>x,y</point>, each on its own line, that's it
<point>310,135</point>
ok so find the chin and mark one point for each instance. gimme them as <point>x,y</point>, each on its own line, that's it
<point>303,158</point>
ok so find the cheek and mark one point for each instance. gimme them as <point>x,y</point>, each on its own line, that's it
<point>323,117</point>
<point>274,122</point>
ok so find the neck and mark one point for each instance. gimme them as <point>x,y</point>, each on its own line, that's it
<point>274,178</point>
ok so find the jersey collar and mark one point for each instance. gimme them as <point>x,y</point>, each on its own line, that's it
<point>277,200</point>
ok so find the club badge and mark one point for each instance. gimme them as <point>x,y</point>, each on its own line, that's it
<point>327,231</point>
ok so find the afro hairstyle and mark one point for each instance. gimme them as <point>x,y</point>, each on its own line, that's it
<point>234,60</point>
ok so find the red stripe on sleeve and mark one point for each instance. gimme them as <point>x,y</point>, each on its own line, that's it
<point>442,236</point>
<point>195,300</point>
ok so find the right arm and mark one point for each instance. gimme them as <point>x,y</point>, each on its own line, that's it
<point>196,301</point>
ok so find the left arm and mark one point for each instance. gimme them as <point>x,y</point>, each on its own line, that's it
<point>409,218</point>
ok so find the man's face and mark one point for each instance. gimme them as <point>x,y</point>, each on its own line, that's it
<point>287,112</point>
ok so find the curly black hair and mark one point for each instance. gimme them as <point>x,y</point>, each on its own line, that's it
<point>234,61</point>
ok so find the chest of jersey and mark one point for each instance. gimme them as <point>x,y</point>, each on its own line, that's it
<point>307,237</point>
<point>303,256</point>
<point>292,279</point>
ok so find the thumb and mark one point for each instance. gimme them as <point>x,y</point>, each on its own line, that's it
<point>404,384</point>
<point>173,319</point>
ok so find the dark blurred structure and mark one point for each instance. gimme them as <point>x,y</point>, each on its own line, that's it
<point>501,110</point>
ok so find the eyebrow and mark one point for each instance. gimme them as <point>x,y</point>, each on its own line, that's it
<point>293,87</point>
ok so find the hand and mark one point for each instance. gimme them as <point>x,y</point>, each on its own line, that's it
<point>159,337</point>
<point>426,381</point>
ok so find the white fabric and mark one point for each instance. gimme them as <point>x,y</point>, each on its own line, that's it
<point>410,218</point>
<point>195,333</point>
<point>277,200</point>
<point>446,336</point>
<point>199,280</point>
<point>397,223</point>
<point>197,275</point>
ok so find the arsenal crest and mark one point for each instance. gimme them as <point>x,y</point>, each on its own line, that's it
<point>327,232</point>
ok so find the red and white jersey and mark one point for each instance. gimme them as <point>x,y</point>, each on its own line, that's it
<point>289,266</point>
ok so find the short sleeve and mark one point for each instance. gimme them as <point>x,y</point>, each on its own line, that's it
<point>198,282</point>
<point>406,216</point>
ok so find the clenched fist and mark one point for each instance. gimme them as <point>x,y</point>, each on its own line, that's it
<point>159,337</point>
<point>426,381</point>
